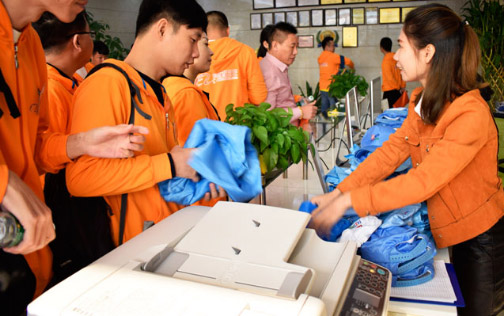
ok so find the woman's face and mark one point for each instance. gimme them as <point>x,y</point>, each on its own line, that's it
<point>411,61</point>
<point>202,63</point>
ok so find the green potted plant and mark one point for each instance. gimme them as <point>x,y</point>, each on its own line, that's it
<point>486,19</point>
<point>278,143</point>
<point>116,47</point>
<point>342,83</point>
<point>315,94</point>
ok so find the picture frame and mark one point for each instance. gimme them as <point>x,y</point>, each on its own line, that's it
<point>358,16</point>
<point>330,17</point>
<point>390,15</point>
<point>354,1</point>
<point>317,17</point>
<point>278,17</point>
<point>350,36</point>
<point>405,11</point>
<point>285,3</point>
<point>371,15</point>
<point>344,16</point>
<point>255,21</point>
<point>263,4</point>
<point>379,0</point>
<point>326,2</point>
<point>267,18</point>
<point>305,3</point>
<point>306,41</point>
<point>292,18</point>
<point>303,18</point>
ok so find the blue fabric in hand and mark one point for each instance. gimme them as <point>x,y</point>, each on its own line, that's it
<point>337,228</point>
<point>224,156</point>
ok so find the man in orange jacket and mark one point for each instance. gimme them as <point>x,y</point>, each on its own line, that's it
<point>235,76</point>
<point>27,147</point>
<point>168,32</point>
<point>392,83</point>
<point>330,64</point>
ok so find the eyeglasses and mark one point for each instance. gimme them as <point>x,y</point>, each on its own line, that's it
<point>91,33</point>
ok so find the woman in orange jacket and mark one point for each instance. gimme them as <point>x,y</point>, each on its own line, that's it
<point>452,140</point>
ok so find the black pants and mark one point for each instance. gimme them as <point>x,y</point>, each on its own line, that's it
<point>479,265</point>
<point>392,96</point>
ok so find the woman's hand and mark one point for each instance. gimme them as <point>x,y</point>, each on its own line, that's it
<point>331,207</point>
<point>213,194</point>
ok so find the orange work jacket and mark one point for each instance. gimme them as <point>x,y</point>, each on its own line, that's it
<point>329,65</point>
<point>26,146</point>
<point>103,99</point>
<point>234,76</point>
<point>391,75</point>
<point>60,92</point>
<point>190,105</point>
<point>454,169</point>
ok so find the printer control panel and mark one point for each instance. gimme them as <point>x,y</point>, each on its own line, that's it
<point>368,293</point>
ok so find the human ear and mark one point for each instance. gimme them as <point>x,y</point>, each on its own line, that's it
<point>429,51</point>
<point>163,27</point>
<point>76,42</point>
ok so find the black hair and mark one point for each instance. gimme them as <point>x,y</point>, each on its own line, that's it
<point>187,12</point>
<point>280,30</point>
<point>326,41</point>
<point>54,34</point>
<point>100,48</point>
<point>265,37</point>
<point>217,19</point>
<point>386,44</point>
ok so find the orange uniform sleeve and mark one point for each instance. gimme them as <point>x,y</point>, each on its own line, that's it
<point>257,91</point>
<point>349,63</point>
<point>59,108</point>
<point>50,147</point>
<point>189,108</point>
<point>104,100</point>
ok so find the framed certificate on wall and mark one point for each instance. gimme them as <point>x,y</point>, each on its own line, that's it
<point>267,18</point>
<point>292,18</point>
<point>378,0</point>
<point>350,36</point>
<point>263,4</point>
<point>255,21</point>
<point>358,16</point>
<point>305,41</point>
<point>355,1</point>
<point>331,2</point>
<point>279,17</point>
<point>344,17</point>
<point>285,3</point>
<point>405,11</point>
<point>304,3</point>
<point>304,19</point>
<point>371,15</point>
<point>330,16</point>
<point>317,17</point>
<point>390,15</point>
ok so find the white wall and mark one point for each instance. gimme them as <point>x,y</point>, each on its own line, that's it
<point>121,16</point>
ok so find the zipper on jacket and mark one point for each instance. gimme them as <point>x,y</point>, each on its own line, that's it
<point>16,62</point>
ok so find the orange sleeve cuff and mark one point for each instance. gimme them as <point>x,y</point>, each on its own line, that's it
<point>361,201</point>
<point>161,167</point>
<point>53,156</point>
<point>4,180</point>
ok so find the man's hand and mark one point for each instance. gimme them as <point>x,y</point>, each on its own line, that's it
<point>213,194</point>
<point>107,142</point>
<point>309,110</point>
<point>34,215</point>
<point>181,158</point>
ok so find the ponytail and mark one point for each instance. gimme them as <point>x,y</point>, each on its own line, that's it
<point>471,57</point>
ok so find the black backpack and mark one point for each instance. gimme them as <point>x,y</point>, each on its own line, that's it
<point>82,223</point>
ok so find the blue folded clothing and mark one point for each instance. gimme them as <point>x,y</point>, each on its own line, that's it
<point>392,117</point>
<point>224,156</point>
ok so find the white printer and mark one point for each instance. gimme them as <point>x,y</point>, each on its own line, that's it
<point>233,259</point>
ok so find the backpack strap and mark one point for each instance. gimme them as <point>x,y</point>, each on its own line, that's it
<point>11,103</point>
<point>134,91</point>
<point>342,64</point>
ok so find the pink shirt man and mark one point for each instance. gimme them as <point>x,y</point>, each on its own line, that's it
<point>277,81</point>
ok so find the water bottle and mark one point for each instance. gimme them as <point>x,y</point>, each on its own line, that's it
<point>11,231</point>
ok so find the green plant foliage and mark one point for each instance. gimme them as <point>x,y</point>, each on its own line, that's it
<point>487,19</point>
<point>116,47</point>
<point>315,94</point>
<point>276,140</point>
<point>342,83</point>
